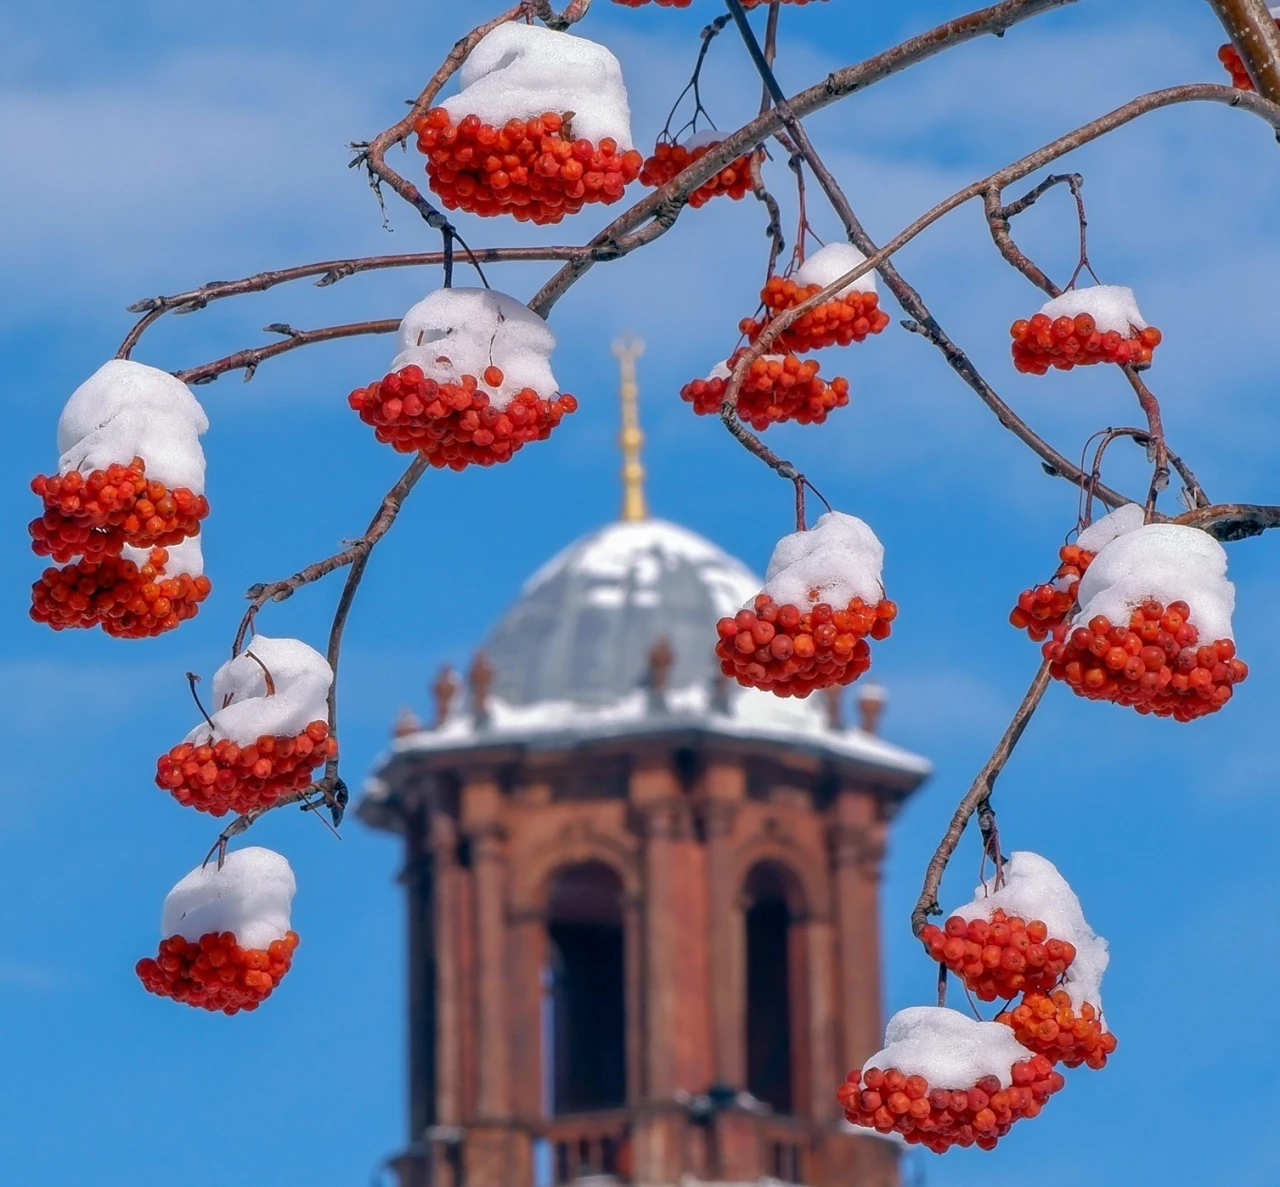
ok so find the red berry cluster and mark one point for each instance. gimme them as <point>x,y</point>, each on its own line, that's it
<point>531,169</point>
<point>1231,60</point>
<point>791,652</point>
<point>887,1100</point>
<point>216,973</point>
<point>1042,607</point>
<point>1155,665</point>
<point>221,777</point>
<point>1047,1024</point>
<point>999,957</point>
<point>669,159</point>
<point>833,323</point>
<point>118,499</point>
<point>455,424</point>
<point>127,600</point>
<point>1065,342</point>
<point>774,389</point>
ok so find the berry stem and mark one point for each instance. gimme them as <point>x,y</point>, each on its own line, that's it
<point>192,681</point>
<point>942,985</point>
<point>574,11</point>
<point>249,359</point>
<point>978,793</point>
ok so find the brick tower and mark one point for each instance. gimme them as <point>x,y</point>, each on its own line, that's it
<point>642,905</point>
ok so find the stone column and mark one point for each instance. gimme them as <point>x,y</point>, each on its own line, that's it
<point>857,842</point>
<point>725,786</point>
<point>825,1074</point>
<point>443,843</point>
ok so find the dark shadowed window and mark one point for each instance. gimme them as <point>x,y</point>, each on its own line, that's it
<point>584,1020</point>
<point>769,892</point>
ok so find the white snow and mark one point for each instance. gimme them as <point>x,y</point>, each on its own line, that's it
<point>462,331</point>
<point>839,558</point>
<point>704,139</point>
<point>519,71</point>
<point>250,896</point>
<point>1101,532</point>
<point>752,714</point>
<point>126,410</point>
<point>243,712</point>
<point>1033,888</point>
<point>634,556</point>
<point>1112,307</point>
<point>185,557</point>
<point>1167,562</point>
<point>947,1048</point>
<point>826,266</point>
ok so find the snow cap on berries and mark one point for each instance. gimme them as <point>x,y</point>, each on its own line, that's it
<point>520,71</point>
<point>250,896</point>
<point>464,331</point>
<point>1165,561</point>
<point>704,139</point>
<point>126,410</point>
<point>1112,307</point>
<point>947,1048</point>
<point>826,266</point>
<point>1032,888</point>
<point>244,708</point>
<point>185,557</point>
<point>1100,533</point>
<point>839,558</point>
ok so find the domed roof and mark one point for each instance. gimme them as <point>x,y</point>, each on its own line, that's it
<point>584,623</point>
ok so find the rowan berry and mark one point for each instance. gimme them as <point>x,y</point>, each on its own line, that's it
<point>669,159</point>
<point>807,649</point>
<point>1041,342</point>
<point>889,1101</point>
<point>1001,956</point>
<point>215,973</point>
<point>455,425</point>
<point>531,169</point>
<point>836,322</point>
<point>1156,665</point>
<point>219,776</point>
<point>1049,1024</point>
<point>776,388</point>
<point>1042,607</point>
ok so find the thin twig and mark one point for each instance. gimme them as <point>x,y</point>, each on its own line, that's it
<point>249,359</point>
<point>280,591</point>
<point>927,903</point>
<point>192,681</point>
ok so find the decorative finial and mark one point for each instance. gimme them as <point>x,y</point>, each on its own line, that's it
<point>872,699</point>
<point>834,695</point>
<point>444,689</point>
<point>634,507</point>
<point>407,722</point>
<point>661,660</point>
<point>480,679</point>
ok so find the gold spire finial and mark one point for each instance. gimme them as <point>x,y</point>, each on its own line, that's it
<point>634,507</point>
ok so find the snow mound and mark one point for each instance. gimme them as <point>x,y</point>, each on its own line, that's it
<point>1034,889</point>
<point>520,71</point>
<point>1099,534</point>
<point>704,139</point>
<point>185,557</point>
<point>1165,561</point>
<point>1112,307</point>
<point>839,559</point>
<point>832,262</point>
<point>250,896</point>
<point>947,1048</point>
<point>462,331</point>
<point>243,710</point>
<point>126,410</point>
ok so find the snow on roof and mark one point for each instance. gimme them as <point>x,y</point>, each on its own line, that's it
<point>641,551</point>
<point>752,715</point>
<point>570,657</point>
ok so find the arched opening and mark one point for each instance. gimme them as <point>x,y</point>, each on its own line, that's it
<point>584,1017</point>
<point>773,1005</point>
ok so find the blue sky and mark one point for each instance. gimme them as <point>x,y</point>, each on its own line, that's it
<point>154,146</point>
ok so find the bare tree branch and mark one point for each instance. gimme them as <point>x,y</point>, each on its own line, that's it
<point>978,794</point>
<point>1253,32</point>
<point>249,359</point>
